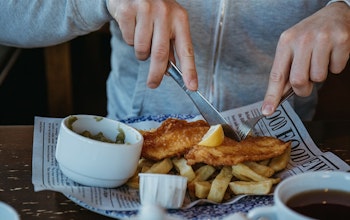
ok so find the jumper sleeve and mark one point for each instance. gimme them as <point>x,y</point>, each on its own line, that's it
<point>38,23</point>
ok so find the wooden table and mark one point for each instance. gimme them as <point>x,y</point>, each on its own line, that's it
<point>17,190</point>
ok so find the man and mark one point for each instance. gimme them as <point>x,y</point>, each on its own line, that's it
<point>226,49</point>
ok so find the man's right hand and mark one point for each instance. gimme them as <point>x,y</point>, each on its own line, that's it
<point>155,28</point>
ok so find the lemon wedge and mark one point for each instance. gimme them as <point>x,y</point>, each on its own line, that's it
<point>213,137</point>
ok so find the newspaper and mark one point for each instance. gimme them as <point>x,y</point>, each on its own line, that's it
<point>283,124</point>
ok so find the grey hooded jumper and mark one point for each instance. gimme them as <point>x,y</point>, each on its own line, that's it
<point>234,44</point>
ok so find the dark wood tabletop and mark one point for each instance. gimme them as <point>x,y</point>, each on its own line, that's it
<point>16,188</point>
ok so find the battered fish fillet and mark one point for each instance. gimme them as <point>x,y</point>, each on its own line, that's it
<point>173,138</point>
<point>231,152</point>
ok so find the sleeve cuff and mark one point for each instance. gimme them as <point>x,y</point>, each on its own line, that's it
<point>345,1</point>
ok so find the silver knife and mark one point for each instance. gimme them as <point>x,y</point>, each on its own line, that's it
<point>207,110</point>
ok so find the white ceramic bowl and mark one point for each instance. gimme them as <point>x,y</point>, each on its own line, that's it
<point>96,163</point>
<point>164,190</point>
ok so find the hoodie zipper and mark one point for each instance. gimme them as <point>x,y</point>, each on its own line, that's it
<point>216,48</point>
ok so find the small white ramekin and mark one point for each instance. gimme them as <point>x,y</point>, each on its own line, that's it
<point>167,191</point>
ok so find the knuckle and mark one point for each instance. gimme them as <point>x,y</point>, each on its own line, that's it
<point>142,56</point>
<point>336,69</point>
<point>142,51</point>
<point>292,37</point>
<point>296,82</point>
<point>276,77</point>
<point>318,76</point>
<point>164,8</point>
<point>305,39</point>
<point>165,11</point>
<point>337,66</point>
<point>286,37</point>
<point>161,53</point>
<point>187,51</point>
<point>323,37</point>
<point>122,12</point>
<point>343,39</point>
<point>144,6</point>
<point>129,40</point>
<point>182,15</point>
<point>191,71</point>
<point>339,33</point>
<point>141,47</point>
<point>271,97</point>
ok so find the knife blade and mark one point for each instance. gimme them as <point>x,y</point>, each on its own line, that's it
<point>207,110</point>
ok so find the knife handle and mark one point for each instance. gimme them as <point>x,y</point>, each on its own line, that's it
<point>204,107</point>
<point>175,73</point>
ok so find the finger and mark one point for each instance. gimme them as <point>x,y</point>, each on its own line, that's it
<point>143,31</point>
<point>159,52</point>
<point>185,51</point>
<point>126,21</point>
<point>278,78</point>
<point>299,76</point>
<point>319,62</point>
<point>339,59</point>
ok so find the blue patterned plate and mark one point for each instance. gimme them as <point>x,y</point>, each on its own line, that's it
<point>199,211</point>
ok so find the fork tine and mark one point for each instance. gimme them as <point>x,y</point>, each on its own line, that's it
<point>247,126</point>
<point>243,131</point>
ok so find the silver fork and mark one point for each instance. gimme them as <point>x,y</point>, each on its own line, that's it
<point>247,126</point>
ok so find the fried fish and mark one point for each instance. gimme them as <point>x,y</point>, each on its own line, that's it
<point>173,138</point>
<point>231,152</point>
